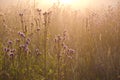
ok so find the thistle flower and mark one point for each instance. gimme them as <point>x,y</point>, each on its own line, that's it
<point>10,42</point>
<point>26,49</point>
<point>22,46</point>
<point>71,51</point>
<point>20,14</point>
<point>21,34</point>
<point>65,47</point>
<point>11,54</point>
<point>27,41</point>
<point>6,49</point>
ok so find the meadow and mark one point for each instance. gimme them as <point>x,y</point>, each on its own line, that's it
<point>60,43</point>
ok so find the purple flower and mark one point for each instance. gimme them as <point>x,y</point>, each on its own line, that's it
<point>27,41</point>
<point>10,42</point>
<point>6,49</point>
<point>21,34</point>
<point>22,46</point>
<point>11,54</point>
<point>26,49</point>
<point>71,51</point>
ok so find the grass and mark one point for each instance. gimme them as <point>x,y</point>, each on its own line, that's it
<point>60,44</point>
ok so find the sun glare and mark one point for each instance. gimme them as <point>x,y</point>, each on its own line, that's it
<point>72,3</point>
<point>77,3</point>
<point>66,2</point>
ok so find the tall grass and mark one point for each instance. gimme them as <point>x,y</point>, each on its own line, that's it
<point>60,44</point>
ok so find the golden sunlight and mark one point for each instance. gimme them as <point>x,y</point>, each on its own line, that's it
<point>73,3</point>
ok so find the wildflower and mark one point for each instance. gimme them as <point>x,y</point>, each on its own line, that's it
<point>26,49</point>
<point>6,49</point>
<point>11,54</point>
<point>27,41</point>
<point>22,46</point>
<point>21,14</point>
<point>71,51</point>
<point>64,46</point>
<point>10,42</point>
<point>21,34</point>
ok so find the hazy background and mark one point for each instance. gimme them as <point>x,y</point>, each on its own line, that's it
<point>45,4</point>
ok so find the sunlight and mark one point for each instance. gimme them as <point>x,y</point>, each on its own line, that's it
<point>73,3</point>
<point>77,4</point>
<point>66,2</point>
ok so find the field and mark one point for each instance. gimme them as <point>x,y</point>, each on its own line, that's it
<point>60,43</point>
